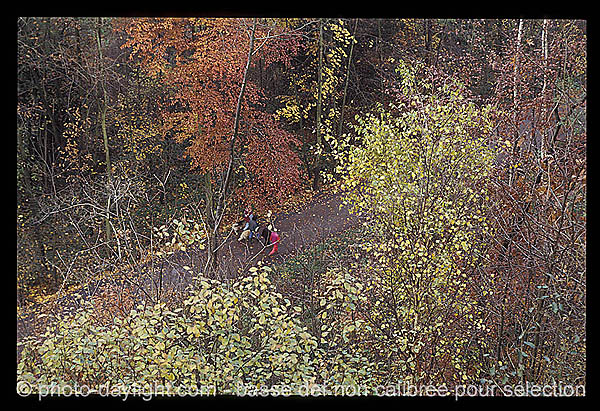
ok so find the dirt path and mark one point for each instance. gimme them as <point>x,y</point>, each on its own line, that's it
<point>317,220</point>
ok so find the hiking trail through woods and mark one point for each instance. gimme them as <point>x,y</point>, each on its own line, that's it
<point>318,219</point>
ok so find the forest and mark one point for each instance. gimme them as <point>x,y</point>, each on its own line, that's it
<point>268,206</point>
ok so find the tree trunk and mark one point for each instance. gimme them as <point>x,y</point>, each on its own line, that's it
<point>544,133</point>
<point>210,223</point>
<point>347,78</point>
<point>516,101</point>
<point>102,108</point>
<point>317,170</point>
<point>214,222</point>
<point>517,56</point>
<point>427,27</point>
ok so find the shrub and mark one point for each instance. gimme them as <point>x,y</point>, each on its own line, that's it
<point>224,336</point>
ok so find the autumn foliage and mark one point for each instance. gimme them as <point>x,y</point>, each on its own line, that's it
<point>201,62</point>
<point>458,147</point>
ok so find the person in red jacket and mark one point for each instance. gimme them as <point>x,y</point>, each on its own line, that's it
<point>248,215</point>
<point>274,239</point>
<point>270,237</point>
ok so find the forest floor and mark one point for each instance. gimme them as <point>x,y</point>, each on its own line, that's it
<point>321,216</point>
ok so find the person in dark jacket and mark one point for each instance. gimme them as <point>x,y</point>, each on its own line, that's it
<point>250,229</point>
<point>265,235</point>
<point>270,236</point>
<point>252,225</point>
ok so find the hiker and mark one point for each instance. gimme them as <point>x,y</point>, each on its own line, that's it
<point>249,229</point>
<point>266,235</point>
<point>252,226</point>
<point>273,238</point>
<point>248,215</point>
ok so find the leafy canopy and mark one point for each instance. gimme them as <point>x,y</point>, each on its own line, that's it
<point>223,335</point>
<point>419,170</point>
